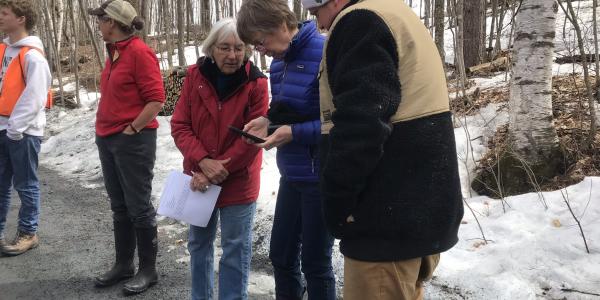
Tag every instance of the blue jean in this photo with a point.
(300, 242)
(18, 166)
(234, 266)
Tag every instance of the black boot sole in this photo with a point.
(102, 284)
(130, 292)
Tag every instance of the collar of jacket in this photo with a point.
(248, 72)
(306, 31)
(120, 45)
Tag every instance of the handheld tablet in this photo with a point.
(247, 135)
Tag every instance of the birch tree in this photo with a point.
(59, 12)
(534, 154)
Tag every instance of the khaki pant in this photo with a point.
(397, 280)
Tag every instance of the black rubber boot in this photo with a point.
(125, 250)
(147, 250)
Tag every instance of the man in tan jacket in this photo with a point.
(389, 179)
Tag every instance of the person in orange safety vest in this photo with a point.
(25, 81)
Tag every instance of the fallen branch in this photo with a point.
(568, 59)
(496, 65)
(578, 291)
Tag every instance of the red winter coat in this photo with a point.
(200, 124)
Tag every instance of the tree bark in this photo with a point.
(56, 47)
(59, 11)
(166, 16)
(439, 15)
(145, 14)
(217, 10)
(472, 32)
(75, 48)
(205, 16)
(298, 9)
(181, 33)
(459, 46)
(427, 16)
(531, 129)
(99, 54)
(597, 56)
(532, 155)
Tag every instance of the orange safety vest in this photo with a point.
(14, 82)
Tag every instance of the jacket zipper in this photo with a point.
(312, 159)
(220, 107)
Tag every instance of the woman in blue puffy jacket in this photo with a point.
(300, 242)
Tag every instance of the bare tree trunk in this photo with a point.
(217, 10)
(55, 47)
(189, 20)
(205, 17)
(427, 16)
(144, 13)
(180, 33)
(439, 15)
(167, 26)
(263, 62)
(59, 11)
(472, 32)
(597, 56)
(298, 9)
(495, 16)
(99, 56)
(531, 130)
(75, 48)
(482, 31)
(499, 25)
(459, 47)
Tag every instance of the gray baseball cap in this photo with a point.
(313, 3)
(118, 10)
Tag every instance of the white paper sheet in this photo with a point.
(179, 202)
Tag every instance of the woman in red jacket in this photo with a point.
(223, 89)
(132, 95)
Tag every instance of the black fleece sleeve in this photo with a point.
(362, 62)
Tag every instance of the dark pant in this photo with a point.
(301, 242)
(127, 166)
(18, 166)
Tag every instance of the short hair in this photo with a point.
(22, 8)
(219, 32)
(263, 16)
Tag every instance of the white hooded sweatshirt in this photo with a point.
(29, 115)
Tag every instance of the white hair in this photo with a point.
(223, 29)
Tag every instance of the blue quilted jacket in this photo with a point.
(294, 82)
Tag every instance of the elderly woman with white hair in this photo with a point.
(222, 89)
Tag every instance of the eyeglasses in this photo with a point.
(102, 19)
(225, 49)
